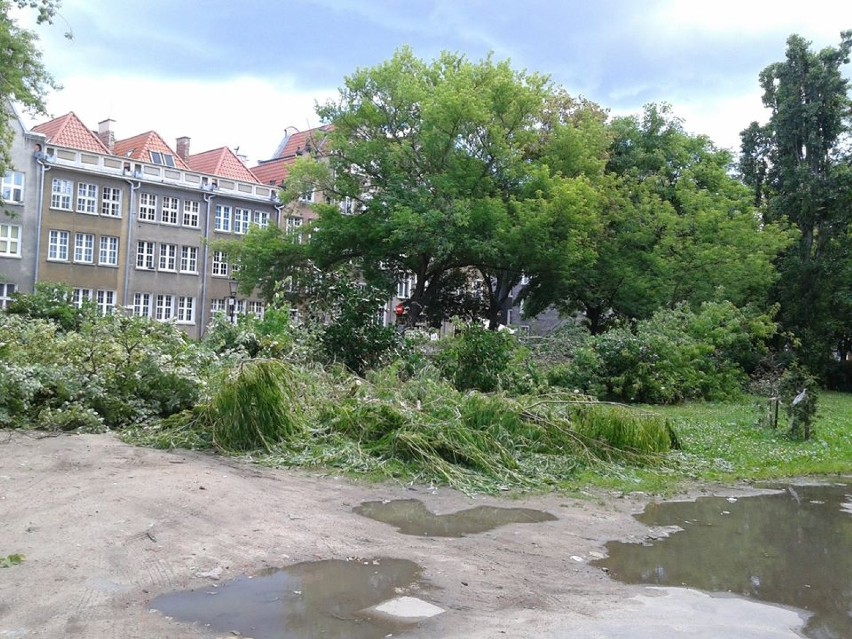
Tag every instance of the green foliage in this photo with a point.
(618, 431)
(476, 358)
(257, 406)
(52, 302)
(113, 372)
(798, 164)
(24, 78)
(11, 560)
(674, 355)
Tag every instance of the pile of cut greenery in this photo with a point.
(419, 429)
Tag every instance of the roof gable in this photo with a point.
(221, 162)
(69, 131)
(148, 147)
(302, 142)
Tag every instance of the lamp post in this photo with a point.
(232, 301)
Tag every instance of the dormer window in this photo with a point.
(163, 159)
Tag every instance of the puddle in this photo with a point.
(411, 517)
(332, 599)
(792, 548)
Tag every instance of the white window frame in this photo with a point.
(13, 187)
(185, 310)
(222, 218)
(145, 255)
(261, 219)
(219, 264)
(256, 308)
(189, 259)
(142, 305)
(164, 307)
(110, 201)
(217, 304)
(81, 295)
(7, 290)
(84, 248)
(170, 210)
(242, 221)
(148, 207)
(57, 245)
(168, 257)
(108, 251)
(87, 198)
(61, 193)
(105, 301)
(10, 240)
(191, 209)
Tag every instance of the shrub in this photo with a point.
(476, 358)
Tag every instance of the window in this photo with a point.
(242, 220)
(13, 187)
(81, 296)
(147, 207)
(188, 259)
(255, 308)
(57, 246)
(169, 213)
(168, 257)
(404, 286)
(163, 159)
(222, 219)
(307, 197)
(186, 310)
(261, 219)
(165, 307)
(6, 292)
(111, 201)
(190, 213)
(142, 304)
(108, 253)
(145, 255)
(220, 264)
(347, 206)
(217, 305)
(60, 194)
(106, 302)
(84, 248)
(10, 240)
(87, 198)
(293, 225)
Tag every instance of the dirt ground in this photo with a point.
(105, 527)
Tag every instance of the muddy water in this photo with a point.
(411, 517)
(792, 548)
(315, 599)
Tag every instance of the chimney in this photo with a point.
(183, 148)
(106, 134)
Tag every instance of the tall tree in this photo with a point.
(23, 78)
(799, 164)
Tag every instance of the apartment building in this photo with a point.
(129, 223)
(19, 206)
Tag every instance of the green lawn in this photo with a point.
(722, 442)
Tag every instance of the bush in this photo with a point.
(476, 358)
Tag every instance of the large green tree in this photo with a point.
(799, 166)
(23, 78)
(442, 162)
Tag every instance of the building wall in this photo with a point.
(19, 214)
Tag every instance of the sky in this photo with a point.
(237, 73)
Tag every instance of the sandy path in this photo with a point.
(105, 527)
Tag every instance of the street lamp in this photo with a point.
(232, 301)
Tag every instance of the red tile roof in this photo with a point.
(297, 143)
(272, 172)
(69, 131)
(221, 162)
(139, 147)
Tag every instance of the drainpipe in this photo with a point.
(42, 162)
(128, 250)
(202, 303)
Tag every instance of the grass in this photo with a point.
(722, 442)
